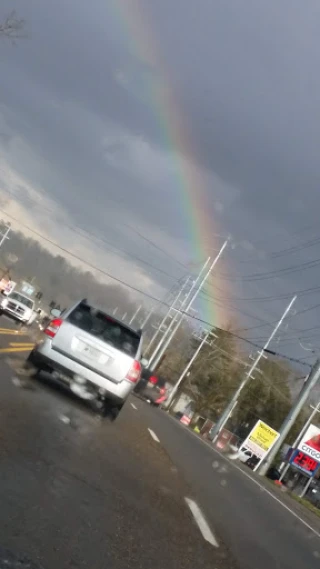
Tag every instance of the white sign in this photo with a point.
(260, 441)
(310, 443)
(9, 288)
(27, 288)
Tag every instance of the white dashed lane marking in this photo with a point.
(154, 436)
(133, 406)
(201, 522)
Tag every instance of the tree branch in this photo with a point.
(12, 27)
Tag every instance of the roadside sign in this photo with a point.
(310, 443)
(27, 288)
(185, 420)
(4, 283)
(9, 288)
(260, 441)
(304, 463)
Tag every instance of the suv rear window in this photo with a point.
(105, 328)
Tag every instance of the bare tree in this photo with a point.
(12, 27)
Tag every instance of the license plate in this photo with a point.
(92, 353)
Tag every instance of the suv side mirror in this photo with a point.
(55, 312)
(144, 362)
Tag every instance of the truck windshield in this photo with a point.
(105, 328)
(20, 298)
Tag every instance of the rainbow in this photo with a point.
(134, 27)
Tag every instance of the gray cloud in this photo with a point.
(80, 121)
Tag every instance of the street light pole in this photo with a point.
(234, 401)
(156, 361)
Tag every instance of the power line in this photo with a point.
(283, 252)
(131, 287)
(93, 238)
(293, 234)
(156, 246)
(285, 296)
(254, 277)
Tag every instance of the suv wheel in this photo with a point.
(108, 409)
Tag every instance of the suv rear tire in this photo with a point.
(108, 410)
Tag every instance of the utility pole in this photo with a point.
(162, 350)
(147, 318)
(177, 310)
(135, 314)
(302, 398)
(166, 316)
(234, 401)
(165, 299)
(186, 369)
(284, 469)
(5, 235)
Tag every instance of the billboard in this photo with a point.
(259, 441)
(310, 443)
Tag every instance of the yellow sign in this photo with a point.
(263, 436)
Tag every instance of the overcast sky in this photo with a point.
(82, 145)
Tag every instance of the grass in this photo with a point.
(301, 501)
(306, 504)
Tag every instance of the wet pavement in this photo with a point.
(263, 528)
(79, 491)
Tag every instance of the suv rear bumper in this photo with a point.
(43, 356)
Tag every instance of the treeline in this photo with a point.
(58, 280)
(217, 372)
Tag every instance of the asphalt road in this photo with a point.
(260, 532)
(78, 491)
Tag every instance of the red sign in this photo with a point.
(305, 463)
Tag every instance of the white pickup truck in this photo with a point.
(19, 306)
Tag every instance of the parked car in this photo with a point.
(273, 473)
(151, 388)
(242, 454)
(95, 355)
(19, 306)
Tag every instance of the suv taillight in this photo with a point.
(134, 372)
(53, 327)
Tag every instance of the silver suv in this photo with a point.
(94, 354)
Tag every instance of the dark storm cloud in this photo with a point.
(255, 115)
